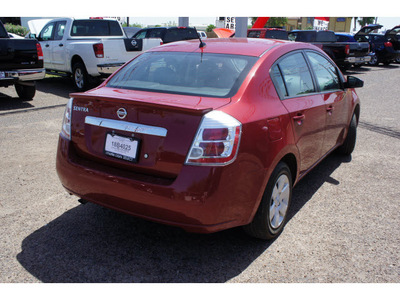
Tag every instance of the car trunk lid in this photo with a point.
(137, 131)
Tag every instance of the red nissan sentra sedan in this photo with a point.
(208, 138)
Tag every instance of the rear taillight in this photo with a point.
(217, 140)
(388, 44)
(66, 125)
(39, 51)
(98, 50)
(347, 49)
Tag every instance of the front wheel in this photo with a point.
(350, 141)
(271, 215)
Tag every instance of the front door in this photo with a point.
(305, 106)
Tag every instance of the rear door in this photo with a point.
(305, 106)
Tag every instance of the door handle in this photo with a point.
(47, 45)
(61, 45)
(330, 109)
(299, 119)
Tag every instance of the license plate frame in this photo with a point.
(121, 147)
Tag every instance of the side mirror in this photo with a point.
(353, 82)
(32, 36)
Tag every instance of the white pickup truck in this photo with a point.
(87, 48)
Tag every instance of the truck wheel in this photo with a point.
(80, 76)
(25, 92)
(271, 215)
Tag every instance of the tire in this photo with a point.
(350, 142)
(374, 60)
(271, 215)
(25, 92)
(80, 76)
(397, 59)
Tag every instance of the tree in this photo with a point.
(366, 20)
(210, 28)
(272, 22)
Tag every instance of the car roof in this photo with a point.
(235, 46)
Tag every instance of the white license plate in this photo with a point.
(121, 147)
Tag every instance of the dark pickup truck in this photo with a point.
(344, 54)
(21, 63)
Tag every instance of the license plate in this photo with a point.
(121, 147)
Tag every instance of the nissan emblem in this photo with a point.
(121, 113)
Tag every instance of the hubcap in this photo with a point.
(79, 78)
(279, 201)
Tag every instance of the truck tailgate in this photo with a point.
(19, 54)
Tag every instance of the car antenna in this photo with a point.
(202, 44)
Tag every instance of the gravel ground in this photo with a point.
(344, 223)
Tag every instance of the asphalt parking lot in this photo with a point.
(344, 222)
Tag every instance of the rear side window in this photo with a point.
(325, 72)
(180, 34)
(96, 28)
(276, 34)
(295, 74)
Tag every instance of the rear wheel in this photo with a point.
(25, 92)
(350, 141)
(80, 76)
(271, 215)
(374, 60)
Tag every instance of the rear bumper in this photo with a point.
(200, 199)
(23, 75)
(108, 69)
(357, 60)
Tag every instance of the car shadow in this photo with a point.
(56, 85)
(12, 103)
(92, 244)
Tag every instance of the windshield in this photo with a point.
(214, 75)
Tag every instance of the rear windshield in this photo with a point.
(208, 74)
(96, 28)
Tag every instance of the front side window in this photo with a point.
(296, 75)
(140, 35)
(214, 75)
(325, 72)
(47, 32)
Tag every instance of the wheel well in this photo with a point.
(76, 59)
(291, 161)
(357, 112)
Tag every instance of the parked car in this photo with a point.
(344, 54)
(385, 48)
(208, 138)
(267, 33)
(168, 34)
(21, 64)
(202, 34)
(342, 37)
(87, 48)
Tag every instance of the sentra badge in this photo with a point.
(121, 113)
(81, 108)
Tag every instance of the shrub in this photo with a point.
(17, 29)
